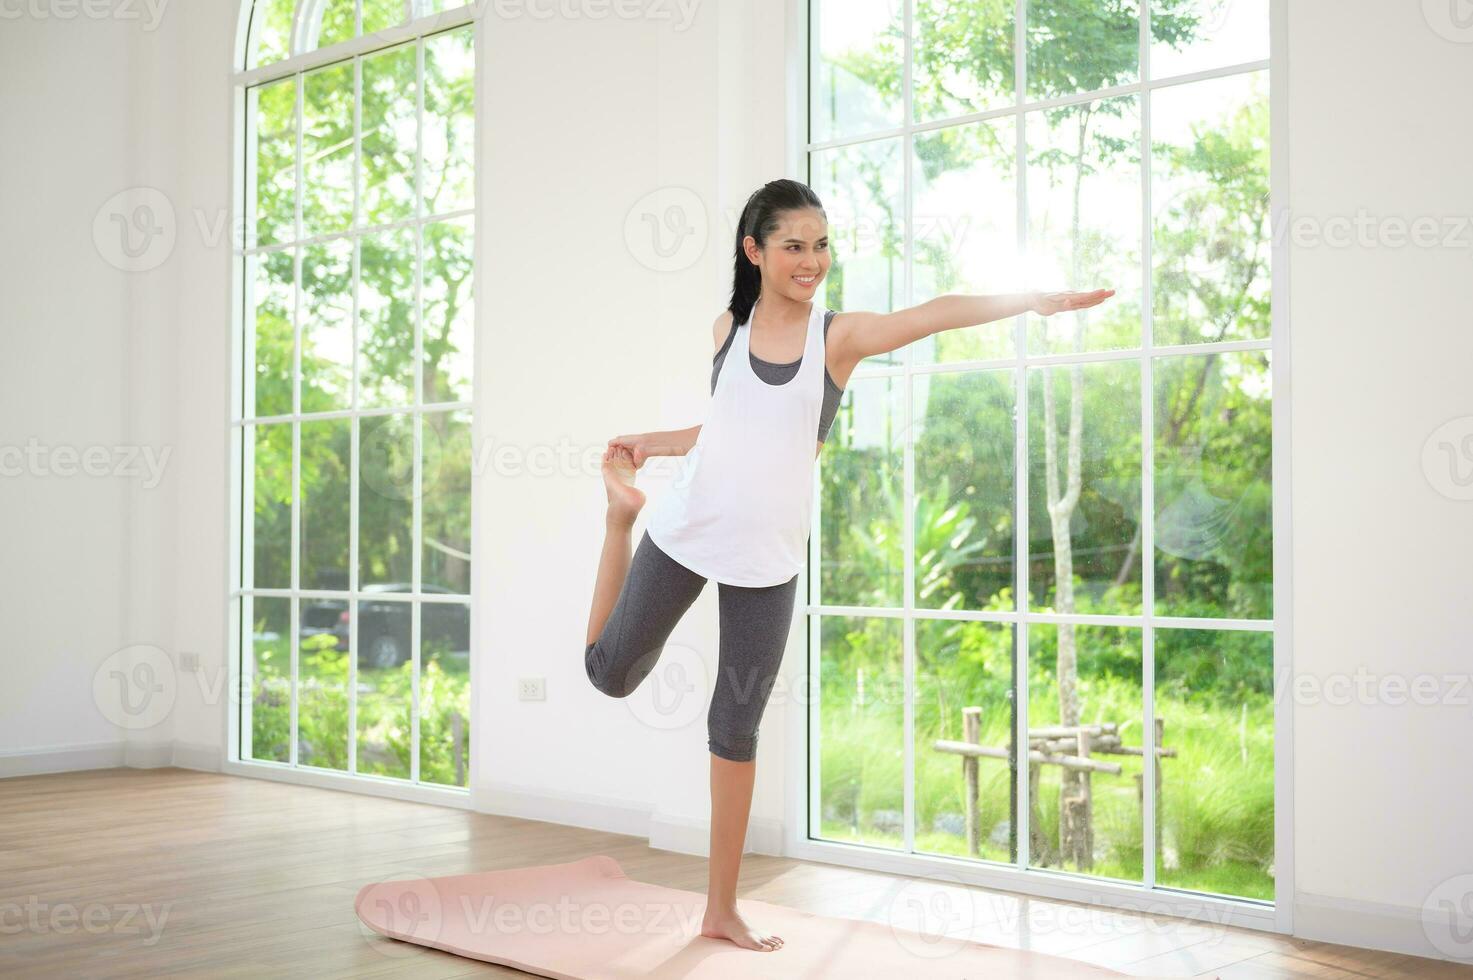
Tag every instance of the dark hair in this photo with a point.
(759, 219)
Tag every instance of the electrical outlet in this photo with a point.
(532, 688)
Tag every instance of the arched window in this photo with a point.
(352, 395)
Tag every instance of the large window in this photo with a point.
(1044, 553)
(354, 407)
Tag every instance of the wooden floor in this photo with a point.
(170, 872)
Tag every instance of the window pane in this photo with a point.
(860, 187)
(379, 14)
(386, 318)
(1215, 716)
(385, 684)
(446, 492)
(328, 22)
(324, 622)
(1075, 48)
(964, 490)
(388, 124)
(444, 693)
(962, 56)
(1214, 491)
(964, 694)
(1084, 488)
(268, 620)
(861, 474)
(966, 231)
(1209, 198)
(1085, 708)
(861, 711)
(322, 701)
(386, 501)
(448, 310)
(271, 31)
(271, 120)
(1198, 35)
(324, 504)
(449, 122)
(383, 630)
(1084, 222)
(270, 477)
(327, 326)
(271, 277)
(327, 150)
(858, 50)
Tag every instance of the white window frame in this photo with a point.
(802, 794)
(240, 445)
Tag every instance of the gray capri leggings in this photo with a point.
(754, 630)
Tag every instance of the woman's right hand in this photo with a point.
(639, 447)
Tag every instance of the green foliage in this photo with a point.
(322, 704)
(383, 711)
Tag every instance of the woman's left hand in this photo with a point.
(1047, 304)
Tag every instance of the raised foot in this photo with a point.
(731, 926)
(625, 499)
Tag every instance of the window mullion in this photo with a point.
(417, 530)
(1149, 789)
(355, 428)
(1021, 760)
(296, 473)
(908, 655)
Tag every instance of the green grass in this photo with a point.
(1216, 794)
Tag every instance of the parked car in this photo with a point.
(384, 625)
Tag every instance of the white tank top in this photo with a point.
(740, 506)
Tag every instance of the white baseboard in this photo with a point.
(666, 832)
(64, 758)
(692, 835)
(611, 815)
(1375, 925)
(149, 755)
(204, 758)
(109, 755)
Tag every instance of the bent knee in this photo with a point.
(594, 665)
(599, 675)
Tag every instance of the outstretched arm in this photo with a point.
(860, 335)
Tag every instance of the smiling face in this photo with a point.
(796, 257)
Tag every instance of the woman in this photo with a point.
(739, 512)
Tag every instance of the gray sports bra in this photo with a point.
(776, 374)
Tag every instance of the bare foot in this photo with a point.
(625, 499)
(723, 924)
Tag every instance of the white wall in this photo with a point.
(67, 341)
(583, 119)
(605, 113)
(1378, 107)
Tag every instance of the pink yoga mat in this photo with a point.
(586, 920)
